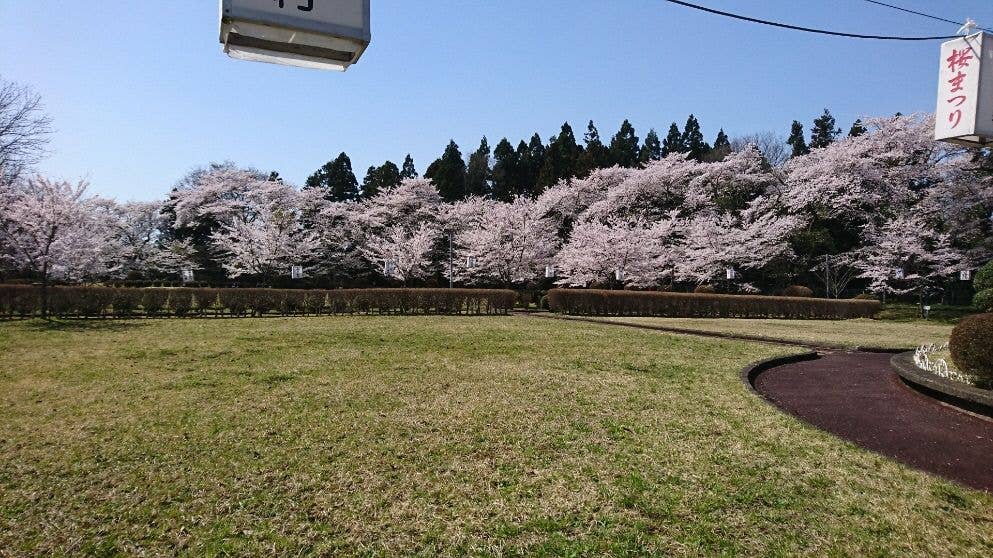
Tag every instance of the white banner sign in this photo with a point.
(965, 91)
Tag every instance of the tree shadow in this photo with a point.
(95, 324)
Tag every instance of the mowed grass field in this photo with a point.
(491, 436)
(834, 333)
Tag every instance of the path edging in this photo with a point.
(966, 397)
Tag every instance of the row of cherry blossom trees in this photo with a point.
(890, 211)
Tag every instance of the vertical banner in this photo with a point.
(964, 112)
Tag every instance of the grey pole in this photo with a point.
(450, 256)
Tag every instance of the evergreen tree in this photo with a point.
(477, 181)
(692, 139)
(380, 178)
(336, 180)
(721, 148)
(595, 156)
(448, 173)
(673, 142)
(824, 131)
(561, 158)
(796, 140)
(652, 149)
(408, 168)
(531, 165)
(857, 129)
(624, 146)
(506, 171)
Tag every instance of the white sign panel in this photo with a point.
(965, 275)
(965, 91)
(731, 274)
(187, 275)
(549, 272)
(322, 34)
(296, 272)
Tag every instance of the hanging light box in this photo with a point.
(965, 91)
(320, 34)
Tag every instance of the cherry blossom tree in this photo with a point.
(136, 228)
(505, 243)
(906, 255)
(715, 242)
(50, 230)
(401, 252)
(396, 231)
(173, 256)
(630, 253)
(267, 243)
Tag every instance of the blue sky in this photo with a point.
(140, 91)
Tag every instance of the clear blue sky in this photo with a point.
(140, 91)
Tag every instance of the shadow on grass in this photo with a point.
(95, 324)
(939, 314)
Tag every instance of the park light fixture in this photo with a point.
(319, 34)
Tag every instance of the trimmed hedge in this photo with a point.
(592, 302)
(971, 347)
(798, 291)
(25, 301)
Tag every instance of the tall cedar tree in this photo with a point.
(652, 148)
(408, 170)
(531, 165)
(796, 140)
(824, 131)
(721, 149)
(596, 155)
(561, 158)
(857, 129)
(506, 171)
(693, 139)
(624, 146)
(379, 178)
(336, 180)
(673, 142)
(477, 180)
(448, 173)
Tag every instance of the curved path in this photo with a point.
(858, 396)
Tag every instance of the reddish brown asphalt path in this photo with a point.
(859, 397)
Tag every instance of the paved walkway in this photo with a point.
(858, 396)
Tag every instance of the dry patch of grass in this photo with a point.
(432, 435)
(842, 333)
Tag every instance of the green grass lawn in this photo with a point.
(432, 435)
(843, 333)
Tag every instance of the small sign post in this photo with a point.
(965, 275)
(296, 272)
(731, 274)
(549, 272)
(187, 275)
